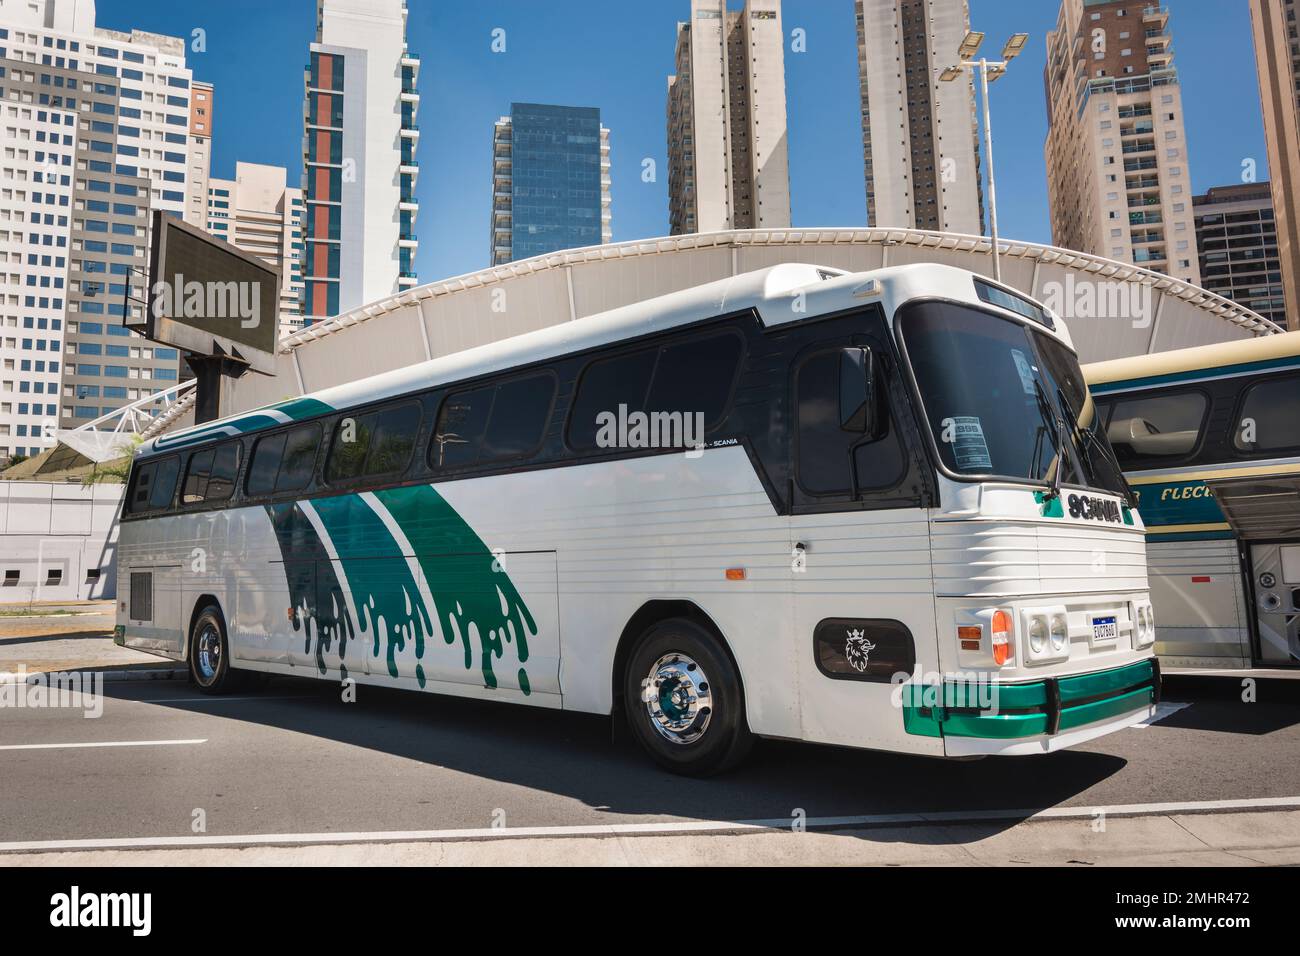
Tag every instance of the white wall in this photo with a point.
(57, 527)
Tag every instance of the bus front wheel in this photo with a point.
(210, 653)
(683, 700)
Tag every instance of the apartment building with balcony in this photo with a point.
(1236, 233)
(1118, 177)
(550, 181)
(361, 133)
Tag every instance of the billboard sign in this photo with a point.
(208, 298)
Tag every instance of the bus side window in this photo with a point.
(459, 430)
(139, 500)
(1158, 426)
(225, 466)
(375, 444)
(299, 461)
(196, 477)
(604, 386)
(696, 376)
(492, 423)
(520, 412)
(1270, 417)
(266, 463)
(164, 483)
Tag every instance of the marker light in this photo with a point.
(1004, 647)
(735, 574)
(970, 636)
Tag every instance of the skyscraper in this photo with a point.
(920, 137)
(258, 213)
(360, 141)
(1117, 166)
(201, 116)
(1277, 61)
(727, 160)
(550, 181)
(1237, 238)
(96, 132)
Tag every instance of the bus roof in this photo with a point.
(770, 292)
(1201, 362)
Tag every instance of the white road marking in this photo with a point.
(1163, 710)
(106, 743)
(216, 700)
(651, 829)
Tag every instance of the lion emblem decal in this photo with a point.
(857, 648)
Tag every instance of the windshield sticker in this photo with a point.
(969, 448)
(1026, 371)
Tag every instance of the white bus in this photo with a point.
(1210, 439)
(892, 486)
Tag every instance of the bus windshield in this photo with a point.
(1002, 397)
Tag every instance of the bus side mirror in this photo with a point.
(860, 408)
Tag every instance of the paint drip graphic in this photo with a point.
(476, 604)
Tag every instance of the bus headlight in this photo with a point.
(1144, 625)
(1048, 634)
(1060, 633)
(1037, 635)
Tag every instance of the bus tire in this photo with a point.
(209, 656)
(683, 700)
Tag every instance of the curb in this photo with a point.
(108, 676)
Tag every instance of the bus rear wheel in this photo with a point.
(683, 700)
(209, 655)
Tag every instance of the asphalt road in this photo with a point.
(287, 756)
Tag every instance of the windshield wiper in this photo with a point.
(1056, 428)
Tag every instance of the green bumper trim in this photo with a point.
(1028, 710)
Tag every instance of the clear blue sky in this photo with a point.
(616, 56)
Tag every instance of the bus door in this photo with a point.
(1265, 514)
(863, 607)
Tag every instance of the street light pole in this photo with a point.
(988, 155)
(967, 50)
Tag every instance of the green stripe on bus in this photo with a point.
(386, 596)
(470, 586)
(1195, 375)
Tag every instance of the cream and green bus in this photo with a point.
(871, 510)
(1210, 440)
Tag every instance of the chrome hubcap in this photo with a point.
(677, 698)
(208, 653)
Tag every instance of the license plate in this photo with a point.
(1104, 629)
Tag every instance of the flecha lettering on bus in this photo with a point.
(1186, 492)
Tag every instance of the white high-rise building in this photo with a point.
(919, 135)
(122, 104)
(259, 214)
(728, 166)
(361, 134)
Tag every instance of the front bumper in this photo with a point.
(1043, 714)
